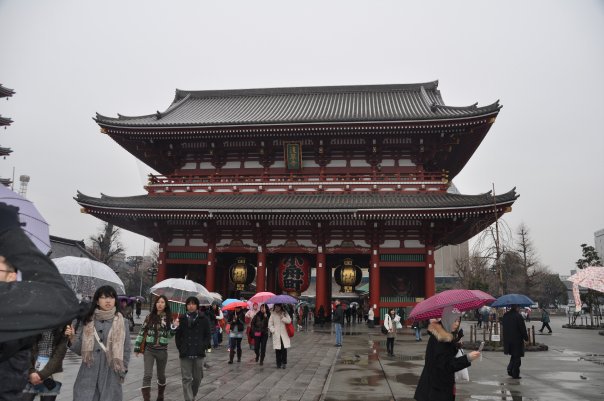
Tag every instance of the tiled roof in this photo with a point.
(5, 151)
(329, 104)
(283, 203)
(6, 92)
(5, 121)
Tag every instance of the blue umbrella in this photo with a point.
(229, 301)
(281, 299)
(512, 299)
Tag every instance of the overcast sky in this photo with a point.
(544, 60)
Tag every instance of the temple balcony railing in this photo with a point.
(297, 182)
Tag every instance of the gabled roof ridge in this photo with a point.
(473, 107)
(304, 90)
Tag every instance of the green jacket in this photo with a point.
(153, 335)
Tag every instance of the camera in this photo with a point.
(49, 383)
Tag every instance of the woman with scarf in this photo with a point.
(104, 344)
(152, 342)
(437, 381)
(259, 328)
(46, 363)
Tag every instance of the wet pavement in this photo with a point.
(573, 369)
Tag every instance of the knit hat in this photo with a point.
(450, 315)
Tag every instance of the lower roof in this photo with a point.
(295, 203)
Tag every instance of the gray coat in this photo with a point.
(99, 382)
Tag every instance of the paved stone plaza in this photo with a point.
(573, 369)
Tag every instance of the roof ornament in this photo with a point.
(158, 115)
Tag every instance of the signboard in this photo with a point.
(495, 337)
(293, 156)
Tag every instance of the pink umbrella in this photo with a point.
(461, 299)
(591, 277)
(261, 297)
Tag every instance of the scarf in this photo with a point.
(115, 340)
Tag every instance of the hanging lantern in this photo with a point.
(294, 274)
(348, 276)
(241, 274)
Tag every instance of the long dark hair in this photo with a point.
(104, 291)
(154, 318)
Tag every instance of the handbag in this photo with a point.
(289, 327)
(384, 330)
(461, 375)
(257, 334)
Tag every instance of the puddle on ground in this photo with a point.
(496, 383)
(575, 376)
(502, 397)
(407, 378)
(368, 380)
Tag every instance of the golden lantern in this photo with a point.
(348, 276)
(241, 274)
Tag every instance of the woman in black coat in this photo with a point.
(259, 329)
(437, 381)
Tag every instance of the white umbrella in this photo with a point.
(179, 289)
(84, 275)
(217, 297)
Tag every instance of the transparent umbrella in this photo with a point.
(179, 289)
(84, 275)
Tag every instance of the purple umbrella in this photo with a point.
(461, 299)
(35, 226)
(281, 299)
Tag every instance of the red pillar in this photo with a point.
(429, 271)
(211, 270)
(374, 281)
(321, 282)
(261, 270)
(162, 269)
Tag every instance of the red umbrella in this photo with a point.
(461, 299)
(236, 304)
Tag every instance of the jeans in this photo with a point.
(150, 356)
(545, 325)
(216, 336)
(418, 333)
(260, 346)
(338, 333)
(192, 373)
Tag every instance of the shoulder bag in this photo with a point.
(289, 327)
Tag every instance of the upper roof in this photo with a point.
(326, 104)
(6, 92)
(5, 121)
(285, 203)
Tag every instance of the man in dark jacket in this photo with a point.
(514, 337)
(338, 320)
(192, 340)
(28, 282)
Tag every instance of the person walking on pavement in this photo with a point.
(545, 321)
(104, 344)
(370, 318)
(236, 332)
(152, 342)
(416, 326)
(138, 307)
(249, 315)
(216, 321)
(514, 338)
(338, 320)
(259, 328)
(390, 320)
(192, 339)
(437, 380)
(321, 316)
(281, 341)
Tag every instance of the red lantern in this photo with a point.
(294, 274)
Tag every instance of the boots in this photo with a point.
(146, 393)
(261, 360)
(238, 355)
(160, 391)
(231, 355)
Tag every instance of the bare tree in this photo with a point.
(106, 245)
(491, 244)
(473, 273)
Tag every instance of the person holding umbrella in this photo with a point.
(281, 342)
(237, 322)
(259, 329)
(514, 337)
